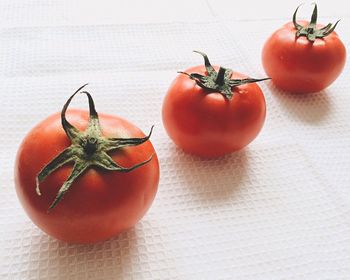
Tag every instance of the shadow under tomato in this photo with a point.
(109, 259)
(212, 180)
(312, 108)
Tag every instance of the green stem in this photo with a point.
(310, 31)
(88, 149)
(221, 76)
(219, 81)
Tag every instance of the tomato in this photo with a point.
(302, 57)
(113, 184)
(211, 118)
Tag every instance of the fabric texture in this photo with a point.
(278, 209)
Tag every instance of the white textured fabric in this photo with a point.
(278, 209)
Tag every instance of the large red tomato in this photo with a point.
(304, 57)
(213, 111)
(90, 186)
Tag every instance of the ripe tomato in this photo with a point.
(302, 57)
(107, 196)
(210, 118)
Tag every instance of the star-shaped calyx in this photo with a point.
(88, 149)
(310, 31)
(218, 81)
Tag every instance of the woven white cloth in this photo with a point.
(279, 209)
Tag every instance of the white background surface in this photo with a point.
(278, 209)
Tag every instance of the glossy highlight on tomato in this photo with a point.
(100, 203)
(304, 59)
(209, 123)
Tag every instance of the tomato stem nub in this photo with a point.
(88, 149)
(310, 31)
(218, 81)
(90, 145)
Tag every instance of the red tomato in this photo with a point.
(300, 65)
(207, 123)
(100, 203)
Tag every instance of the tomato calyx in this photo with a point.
(310, 31)
(218, 81)
(88, 149)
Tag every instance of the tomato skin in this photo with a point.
(100, 204)
(208, 124)
(299, 66)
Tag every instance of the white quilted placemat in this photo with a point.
(278, 209)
